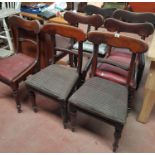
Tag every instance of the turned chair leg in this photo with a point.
(16, 96)
(73, 114)
(117, 136)
(64, 115)
(141, 67)
(33, 100)
(131, 92)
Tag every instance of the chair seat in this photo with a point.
(102, 97)
(88, 46)
(13, 66)
(55, 80)
(113, 73)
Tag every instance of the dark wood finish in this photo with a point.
(74, 19)
(134, 17)
(136, 46)
(142, 29)
(12, 79)
(52, 30)
(105, 12)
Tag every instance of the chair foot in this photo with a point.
(33, 100)
(117, 136)
(64, 115)
(73, 114)
(16, 96)
(19, 109)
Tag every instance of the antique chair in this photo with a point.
(133, 17)
(96, 21)
(58, 81)
(17, 67)
(105, 12)
(114, 66)
(102, 98)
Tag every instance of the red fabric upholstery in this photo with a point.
(112, 73)
(119, 55)
(14, 65)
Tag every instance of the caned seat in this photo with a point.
(95, 96)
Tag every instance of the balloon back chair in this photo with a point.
(58, 81)
(17, 67)
(114, 66)
(101, 98)
(135, 17)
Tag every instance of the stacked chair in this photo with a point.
(17, 67)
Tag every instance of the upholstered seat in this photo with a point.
(55, 80)
(88, 47)
(13, 66)
(95, 96)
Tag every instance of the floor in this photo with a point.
(43, 131)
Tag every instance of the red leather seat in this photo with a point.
(14, 66)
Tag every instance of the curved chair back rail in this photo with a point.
(135, 45)
(19, 28)
(142, 29)
(69, 32)
(105, 12)
(64, 30)
(75, 18)
(19, 22)
(134, 17)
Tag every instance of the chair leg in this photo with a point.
(117, 136)
(75, 60)
(131, 92)
(64, 115)
(33, 100)
(140, 74)
(73, 114)
(16, 96)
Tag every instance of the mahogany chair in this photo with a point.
(104, 12)
(101, 98)
(116, 57)
(134, 17)
(17, 67)
(58, 81)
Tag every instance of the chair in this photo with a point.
(133, 17)
(105, 12)
(116, 57)
(58, 81)
(17, 67)
(101, 98)
(8, 8)
(96, 21)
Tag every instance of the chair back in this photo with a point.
(11, 6)
(24, 31)
(141, 29)
(75, 19)
(136, 47)
(134, 17)
(67, 31)
(104, 12)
